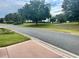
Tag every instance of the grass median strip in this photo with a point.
(8, 37)
(72, 28)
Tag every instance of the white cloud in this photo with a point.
(56, 7)
(56, 11)
(10, 6)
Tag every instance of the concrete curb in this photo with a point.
(52, 48)
(56, 50)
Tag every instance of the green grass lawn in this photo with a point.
(40, 25)
(9, 38)
(65, 27)
(68, 26)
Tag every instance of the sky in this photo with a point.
(11, 6)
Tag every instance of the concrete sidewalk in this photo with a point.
(28, 49)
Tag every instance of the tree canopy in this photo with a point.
(14, 18)
(36, 10)
(71, 9)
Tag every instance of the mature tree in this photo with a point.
(60, 18)
(52, 19)
(13, 18)
(71, 9)
(9, 18)
(36, 10)
(1, 20)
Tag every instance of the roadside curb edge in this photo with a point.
(52, 48)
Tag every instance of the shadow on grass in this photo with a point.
(5, 31)
(65, 26)
(40, 25)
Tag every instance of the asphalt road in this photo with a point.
(62, 40)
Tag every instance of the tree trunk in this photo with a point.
(36, 22)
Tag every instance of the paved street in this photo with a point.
(62, 40)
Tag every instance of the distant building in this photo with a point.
(47, 20)
(28, 20)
